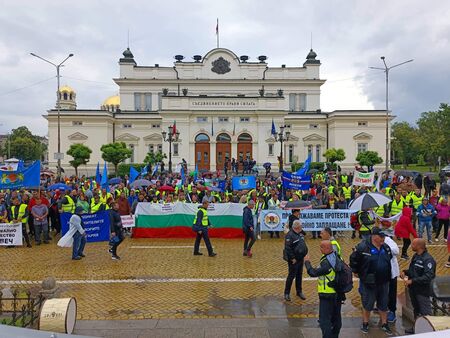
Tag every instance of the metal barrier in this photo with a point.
(20, 310)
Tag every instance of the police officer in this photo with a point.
(200, 227)
(295, 250)
(329, 301)
(418, 278)
(248, 227)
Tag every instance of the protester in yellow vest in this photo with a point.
(19, 214)
(327, 235)
(68, 202)
(329, 301)
(97, 205)
(200, 227)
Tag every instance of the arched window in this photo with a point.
(65, 96)
(202, 138)
(223, 138)
(244, 138)
(70, 96)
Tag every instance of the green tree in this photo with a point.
(368, 158)
(152, 158)
(334, 155)
(405, 145)
(24, 145)
(434, 133)
(115, 153)
(81, 155)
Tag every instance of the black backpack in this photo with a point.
(343, 280)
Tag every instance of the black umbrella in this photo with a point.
(297, 204)
(369, 200)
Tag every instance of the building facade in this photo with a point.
(223, 106)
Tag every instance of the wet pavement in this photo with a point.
(161, 279)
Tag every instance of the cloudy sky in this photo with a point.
(348, 36)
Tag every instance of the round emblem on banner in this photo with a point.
(272, 220)
(243, 181)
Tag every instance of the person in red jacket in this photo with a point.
(404, 229)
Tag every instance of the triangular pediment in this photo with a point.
(77, 137)
(362, 136)
(293, 138)
(314, 137)
(127, 137)
(153, 137)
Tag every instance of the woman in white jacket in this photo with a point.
(395, 272)
(75, 236)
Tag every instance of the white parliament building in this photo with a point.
(223, 105)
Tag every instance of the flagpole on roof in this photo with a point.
(217, 32)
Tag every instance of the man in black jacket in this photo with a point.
(329, 300)
(116, 230)
(418, 279)
(371, 261)
(200, 227)
(249, 228)
(295, 250)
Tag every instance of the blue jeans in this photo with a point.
(423, 224)
(79, 241)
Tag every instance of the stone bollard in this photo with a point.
(49, 288)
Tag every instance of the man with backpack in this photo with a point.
(371, 261)
(330, 288)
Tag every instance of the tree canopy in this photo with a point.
(23, 145)
(115, 153)
(333, 155)
(81, 155)
(369, 158)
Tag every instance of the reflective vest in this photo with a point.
(104, 199)
(344, 179)
(322, 281)
(258, 203)
(347, 192)
(416, 200)
(331, 189)
(388, 191)
(272, 203)
(363, 226)
(406, 199)
(396, 207)
(380, 211)
(96, 207)
(205, 221)
(70, 206)
(21, 213)
(336, 247)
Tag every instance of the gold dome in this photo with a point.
(66, 89)
(112, 101)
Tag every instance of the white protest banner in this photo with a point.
(10, 234)
(127, 221)
(317, 219)
(364, 179)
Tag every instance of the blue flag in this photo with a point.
(183, 175)
(155, 169)
(304, 170)
(98, 176)
(104, 181)
(222, 185)
(144, 171)
(133, 174)
(273, 131)
(244, 182)
(196, 172)
(296, 182)
(26, 178)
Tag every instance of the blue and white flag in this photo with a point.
(144, 171)
(196, 173)
(244, 182)
(155, 169)
(273, 131)
(26, 178)
(294, 181)
(304, 170)
(183, 175)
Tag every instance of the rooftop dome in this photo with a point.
(66, 89)
(112, 103)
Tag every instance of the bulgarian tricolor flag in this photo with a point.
(175, 220)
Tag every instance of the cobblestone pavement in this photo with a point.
(160, 278)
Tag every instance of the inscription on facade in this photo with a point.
(226, 103)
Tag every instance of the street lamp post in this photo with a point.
(57, 66)
(281, 137)
(170, 137)
(386, 70)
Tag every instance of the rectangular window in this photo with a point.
(202, 119)
(156, 126)
(151, 148)
(137, 102)
(362, 123)
(291, 102)
(148, 101)
(362, 147)
(291, 153)
(310, 150)
(302, 102)
(245, 119)
(270, 149)
(199, 156)
(160, 148)
(175, 149)
(313, 126)
(132, 153)
(77, 123)
(223, 119)
(126, 125)
(318, 153)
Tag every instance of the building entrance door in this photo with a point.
(202, 152)
(223, 150)
(244, 149)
